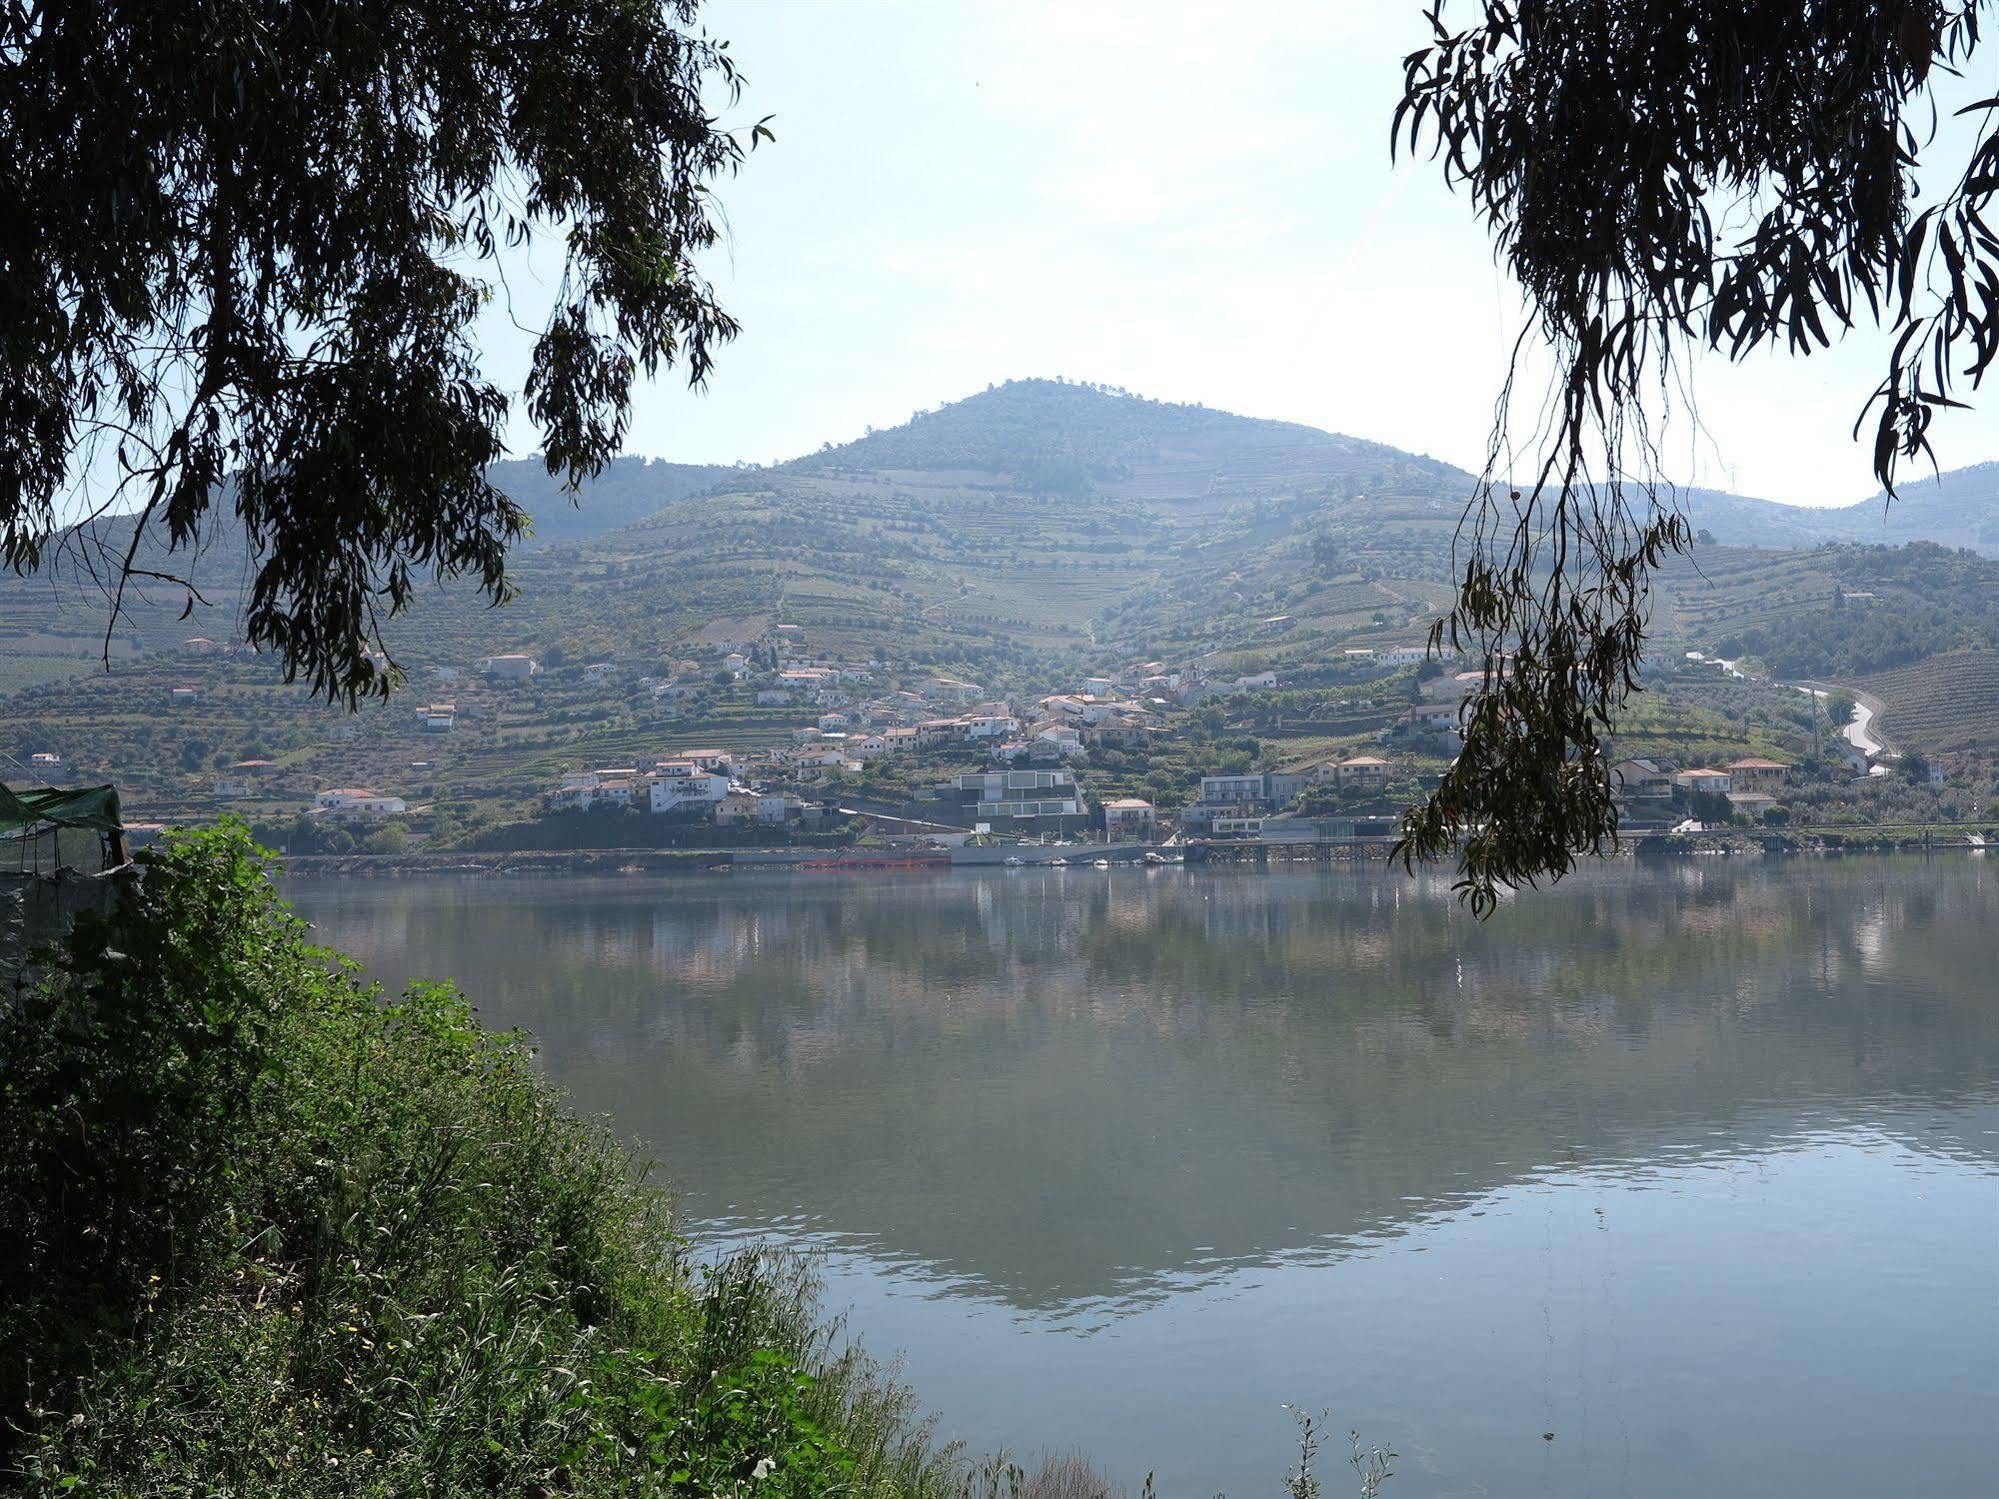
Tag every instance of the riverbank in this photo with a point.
(269, 1234)
(1829, 840)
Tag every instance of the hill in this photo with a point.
(1957, 509)
(1028, 536)
(1035, 515)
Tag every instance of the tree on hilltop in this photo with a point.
(1660, 175)
(242, 249)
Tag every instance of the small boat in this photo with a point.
(1014, 861)
(1058, 862)
(1103, 863)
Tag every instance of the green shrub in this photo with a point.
(276, 1234)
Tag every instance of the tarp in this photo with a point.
(94, 807)
(40, 908)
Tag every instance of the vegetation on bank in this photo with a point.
(274, 1232)
(269, 1230)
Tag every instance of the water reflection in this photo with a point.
(1122, 1105)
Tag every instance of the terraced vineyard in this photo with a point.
(1947, 702)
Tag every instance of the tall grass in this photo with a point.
(265, 1230)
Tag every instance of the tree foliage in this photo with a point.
(1660, 175)
(242, 249)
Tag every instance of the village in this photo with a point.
(745, 736)
(917, 758)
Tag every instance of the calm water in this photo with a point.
(1695, 1167)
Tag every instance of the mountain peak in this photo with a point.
(1051, 434)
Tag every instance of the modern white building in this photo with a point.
(357, 801)
(678, 784)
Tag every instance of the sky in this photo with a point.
(1195, 202)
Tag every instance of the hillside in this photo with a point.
(1834, 611)
(1023, 538)
(1032, 517)
(1946, 702)
(1957, 509)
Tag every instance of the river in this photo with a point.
(1672, 1180)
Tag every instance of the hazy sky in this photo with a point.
(1194, 202)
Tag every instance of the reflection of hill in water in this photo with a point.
(1064, 1086)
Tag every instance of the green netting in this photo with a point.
(93, 807)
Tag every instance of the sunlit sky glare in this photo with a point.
(1195, 202)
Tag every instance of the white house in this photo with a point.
(1757, 774)
(357, 801)
(952, 689)
(1366, 772)
(990, 726)
(616, 790)
(1432, 718)
(682, 783)
(1065, 739)
(778, 806)
(1129, 819)
(1641, 777)
(1714, 782)
(737, 806)
(708, 759)
(511, 667)
(577, 793)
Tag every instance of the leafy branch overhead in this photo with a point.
(242, 251)
(1611, 151)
